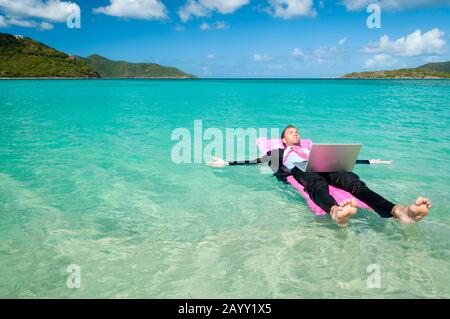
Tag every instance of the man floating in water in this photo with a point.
(316, 184)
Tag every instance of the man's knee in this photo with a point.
(353, 183)
(310, 177)
(314, 182)
(306, 177)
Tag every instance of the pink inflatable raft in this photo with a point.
(265, 145)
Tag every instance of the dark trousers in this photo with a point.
(316, 185)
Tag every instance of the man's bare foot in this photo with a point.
(342, 213)
(412, 213)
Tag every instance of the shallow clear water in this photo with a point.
(86, 178)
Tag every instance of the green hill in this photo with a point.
(122, 69)
(437, 66)
(435, 70)
(28, 58)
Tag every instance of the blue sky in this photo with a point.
(242, 38)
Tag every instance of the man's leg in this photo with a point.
(317, 188)
(404, 213)
(350, 182)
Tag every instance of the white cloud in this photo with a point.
(298, 54)
(210, 56)
(7, 22)
(224, 6)
(414, 44)
(287, 9)
(3, 23)
(205, 26)
(52, 10)
(323, 53)
(136, 9)
(45, 26)
(204, 8)
(261, 57)
(393, 5)
(380, 61)
(22, 23)
(342, 41)
(219, 25)
(192, 8)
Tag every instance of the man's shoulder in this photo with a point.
(275, 151)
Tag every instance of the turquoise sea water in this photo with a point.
(86, 178)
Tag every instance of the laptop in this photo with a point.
(325, 158)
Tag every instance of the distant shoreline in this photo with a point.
(196, 78)
(396, 78)
(83, 78)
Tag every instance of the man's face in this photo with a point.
(291, 137)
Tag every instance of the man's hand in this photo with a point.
(217, 162)
(378, 161)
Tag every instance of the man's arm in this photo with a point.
(218, 162)
(259, 160)
(373, 161)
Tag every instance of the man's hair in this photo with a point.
(284, 131)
